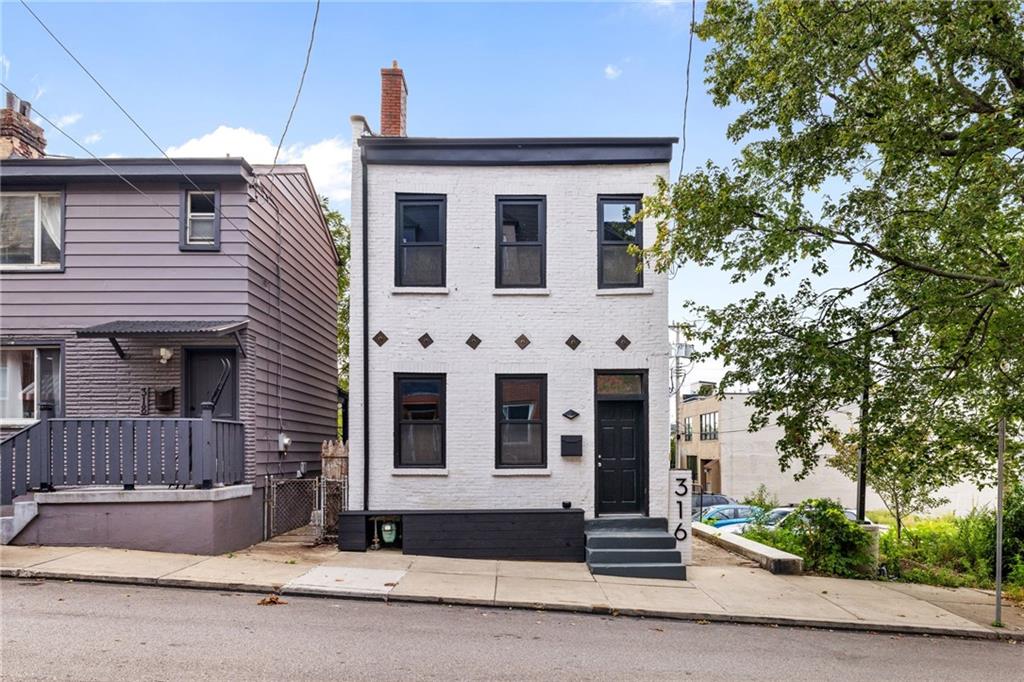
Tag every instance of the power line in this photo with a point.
(686, 97)
(108, 166)
(123, 110)
(302, 80)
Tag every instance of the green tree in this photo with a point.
(882, 139)
(899, 472)
(343, 245)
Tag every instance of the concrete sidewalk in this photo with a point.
(712, 593)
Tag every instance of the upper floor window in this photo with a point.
(200, 222)
(520, 242)
(616, 266)
(420, 240)
(30, 230)
(709, 426)
(688, 428)
(28, 377)
(419, 420)
(521, 420)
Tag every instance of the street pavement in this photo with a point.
(84, 631)
(731, 593)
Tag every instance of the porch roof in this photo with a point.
(137, 328)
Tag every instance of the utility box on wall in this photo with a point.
(572, 446)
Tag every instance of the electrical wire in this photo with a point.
(686, 97)
(302, 80)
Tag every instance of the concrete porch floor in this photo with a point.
(735, 593)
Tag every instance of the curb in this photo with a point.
(695, 616)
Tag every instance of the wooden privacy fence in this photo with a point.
(121, 451)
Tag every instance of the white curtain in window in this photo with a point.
(49, 214)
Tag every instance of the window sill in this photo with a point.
(626, 291)
(30, 269)
(419, 472)
(521, 472)
(432, 291)
(15, 423)
(522, 292)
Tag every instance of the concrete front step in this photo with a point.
(639, 556)
(605, 523)
(630, 540)
(667, 571)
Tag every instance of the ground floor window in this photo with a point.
(419, 420)
(520, 422)
(28, 377)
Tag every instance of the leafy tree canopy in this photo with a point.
(888, 138)
(342, 244)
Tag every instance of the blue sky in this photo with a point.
(208, 79)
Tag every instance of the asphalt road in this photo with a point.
(80, 631)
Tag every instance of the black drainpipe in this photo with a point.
(366, 340)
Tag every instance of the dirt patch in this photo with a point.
(706, 554)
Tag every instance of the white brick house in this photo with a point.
(494, 325)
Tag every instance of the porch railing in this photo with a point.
(121, 451)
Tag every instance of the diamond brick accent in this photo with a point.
(570, 414)
(573, 342)
(473, 341)
(522, 341)
(425, 340)
(622, 342)
(380, 338)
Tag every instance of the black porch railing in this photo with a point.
(121, 451)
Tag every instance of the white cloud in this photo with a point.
(40, 91)
(611, 72)
(67, 120)
(92, 138)
(329, 161)
(5, 66)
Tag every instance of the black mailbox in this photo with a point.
(572, 446)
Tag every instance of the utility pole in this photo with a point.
(862, 459)
(999, 522)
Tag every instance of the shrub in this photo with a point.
(763, 498)
(819, 532)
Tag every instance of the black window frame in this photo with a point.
(403, 199)
(709, 426)
(602, 199)
(687, 429)
(443, 421)
(541, 202)
(183, 237)
(500, 420)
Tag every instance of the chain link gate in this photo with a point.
(292, 502)
(332, 499)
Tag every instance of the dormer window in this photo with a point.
(200, 228)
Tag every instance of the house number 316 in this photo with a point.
(682, 490)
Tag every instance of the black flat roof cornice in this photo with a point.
(516, 151)
(22, 171)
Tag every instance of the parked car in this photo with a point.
(724, 515)
(777, 516)
(700, 503)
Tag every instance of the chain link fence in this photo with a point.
(333, 498)
(297, 502)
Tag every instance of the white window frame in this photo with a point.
(204, 216)
(37, 235)
(28, 421)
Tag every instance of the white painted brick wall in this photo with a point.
(471, 307)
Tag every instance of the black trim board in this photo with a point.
(533, 534)
(526, 151)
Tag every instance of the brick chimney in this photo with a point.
(393, 94)
(19, 136)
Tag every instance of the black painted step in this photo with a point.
(633, 556)
(630, 540)
(626, 523)
(667, 571)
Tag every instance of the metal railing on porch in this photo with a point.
(121, 451)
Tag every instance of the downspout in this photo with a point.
(366, 338)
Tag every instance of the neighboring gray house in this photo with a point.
(131, 292)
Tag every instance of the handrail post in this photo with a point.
(43, 461)
(207, 455)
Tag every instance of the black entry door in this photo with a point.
(620, 465)
(203, 372)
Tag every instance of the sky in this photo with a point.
(208, 79)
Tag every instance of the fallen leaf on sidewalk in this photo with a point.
(702, 622)
(390, 584)
(271, 600)
(657, 629)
